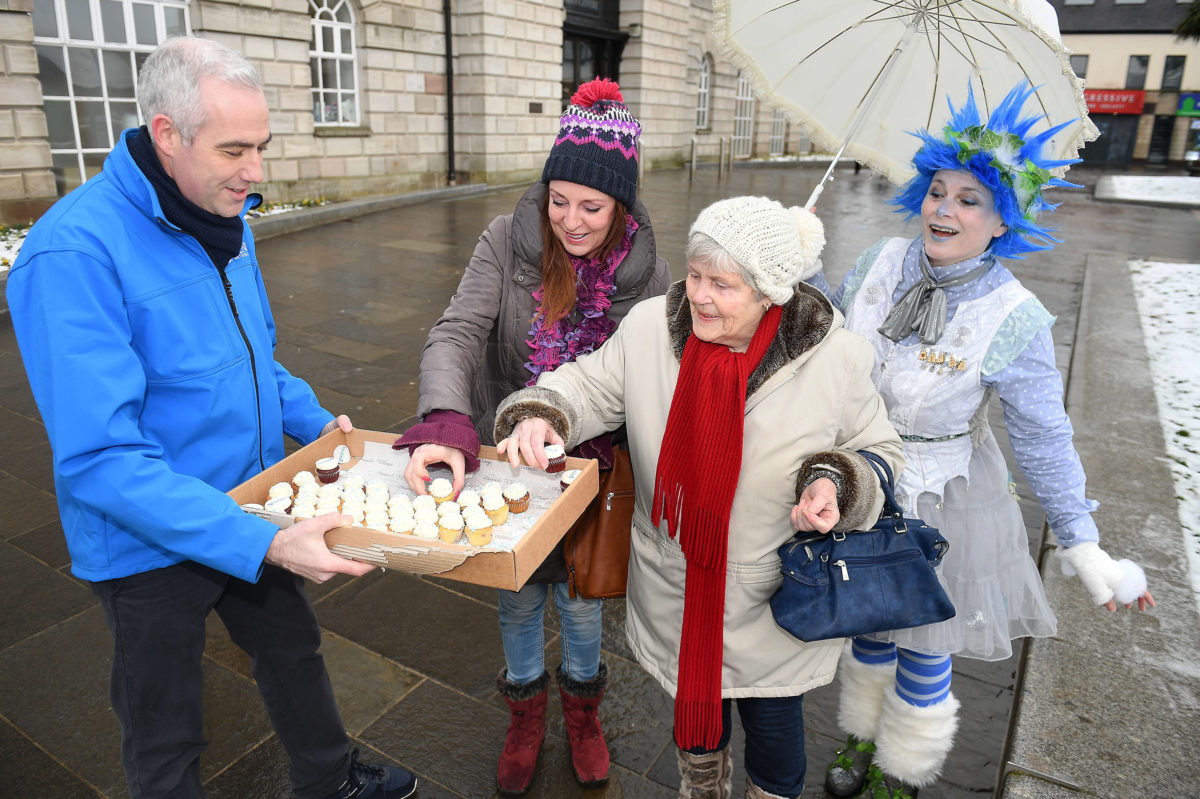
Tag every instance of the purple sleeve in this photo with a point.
(448, 429)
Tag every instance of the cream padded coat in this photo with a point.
(810, 401)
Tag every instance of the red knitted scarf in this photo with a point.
(693, 492)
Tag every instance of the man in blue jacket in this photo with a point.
(145, 330)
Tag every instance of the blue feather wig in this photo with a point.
(999, 156)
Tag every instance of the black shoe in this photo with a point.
(885, 786)
(847, 774)
(375, 782)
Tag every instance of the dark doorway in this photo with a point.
(592, 43)
(1160, 139)
(1115, 145)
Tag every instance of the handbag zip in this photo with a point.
(845, 563)
(613, 494)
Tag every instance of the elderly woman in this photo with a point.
(745, 403)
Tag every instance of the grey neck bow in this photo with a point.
(923, 307)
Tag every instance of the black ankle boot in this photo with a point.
(847, 774)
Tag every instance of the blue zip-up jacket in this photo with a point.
(155, 378)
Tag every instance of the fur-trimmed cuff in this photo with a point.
(529, 403)
(856, 484)
(519, 692)
(592, 689)
(448, 429)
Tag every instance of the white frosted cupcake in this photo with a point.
(517, 496)
(442, 490)
(280, 490)
(424, 501)
(399, 502)
(479, 531)
(449, 506)
(402, 525)
(450, 528)
(278, 504)
(303, 478)
(375, 521)
(427, 530)
(468, 497)
(376, 485)
(351, 481)
(495, 507)
(327, 470)
(426, 515)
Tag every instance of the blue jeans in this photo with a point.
(774, 741)
(524, 635)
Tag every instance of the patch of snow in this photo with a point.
(1168, 299)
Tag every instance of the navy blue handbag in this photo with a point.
(837, 585)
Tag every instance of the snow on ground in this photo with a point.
(1168, 298)
(1150, 189)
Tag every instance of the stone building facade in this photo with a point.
(364, 94)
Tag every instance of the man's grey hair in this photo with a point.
(169, 81)
(704, 249)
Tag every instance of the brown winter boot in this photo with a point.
(707, 776)
(526, 730)
(580, 703)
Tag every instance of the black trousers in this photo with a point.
(157, 622)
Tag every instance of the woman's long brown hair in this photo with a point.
(558, 276)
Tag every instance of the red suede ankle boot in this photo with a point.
(581, 702)
(526, 730)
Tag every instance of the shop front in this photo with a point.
(1115, 112)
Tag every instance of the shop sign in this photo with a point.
(1189, 105)
(1113, 101)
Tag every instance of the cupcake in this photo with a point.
(377, 522)
(468, 497)
(517, 497)
(426, 515)
(427, 530)
(496, 508)
(400, 502)
(303, 478)
(557, 457)
(424, 501)
(568, 477)
(479, 530)
(327, 470)
(449, 506)
(351, 482)
(308, 490)
(278, 504)
(402, 525)
(280, 490)
(441, 490)
(450, 528)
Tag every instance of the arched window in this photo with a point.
(743, 118)
(89, 53)
(331, 55)
(775, 145)
(702, 92)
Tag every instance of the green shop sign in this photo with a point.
(1189, 105)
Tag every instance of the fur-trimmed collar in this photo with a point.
(807, 319)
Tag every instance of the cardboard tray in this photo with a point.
(418, 555)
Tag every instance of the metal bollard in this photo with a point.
(692, 168)
(721, 159)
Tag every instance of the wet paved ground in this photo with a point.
(414, 659)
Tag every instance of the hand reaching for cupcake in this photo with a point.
(528, 440)
(416, 473)
(301, 550)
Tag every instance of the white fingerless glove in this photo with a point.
(1103, 577)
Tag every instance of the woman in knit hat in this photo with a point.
(547, 283)
(950, 327)
(746, 405)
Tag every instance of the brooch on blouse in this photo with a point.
(940, 362)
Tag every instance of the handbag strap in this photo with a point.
(886, 482)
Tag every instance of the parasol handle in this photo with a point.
(811, 205)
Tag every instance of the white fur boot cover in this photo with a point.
(913, 742)
(861, 699)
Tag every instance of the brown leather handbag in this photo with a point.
(596, 548)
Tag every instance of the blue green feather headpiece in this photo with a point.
(999, 155)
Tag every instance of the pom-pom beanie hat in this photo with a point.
(596, 144)
(778, 247)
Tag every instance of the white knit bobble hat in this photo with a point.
(778, 247)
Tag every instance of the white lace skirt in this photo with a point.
(988, 572)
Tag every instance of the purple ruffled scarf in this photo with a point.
(563, 341)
